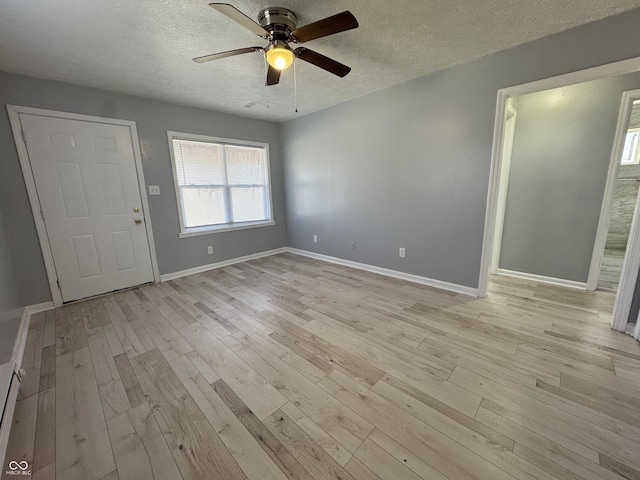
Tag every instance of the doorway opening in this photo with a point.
(557, 184)
(624, 201)
(500, 171)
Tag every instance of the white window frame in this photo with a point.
(225, 227)
(636, 153)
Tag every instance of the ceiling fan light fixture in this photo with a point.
(279, 55)
(279, 26)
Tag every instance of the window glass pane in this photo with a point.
(203, 206)
(220, 184)
(245, 165)
(630, 149)
(248, 204)
(199, 163)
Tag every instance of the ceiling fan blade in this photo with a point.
(237, 16)
(323, 62)
(335, 24)
(229, 53)
(273, 76)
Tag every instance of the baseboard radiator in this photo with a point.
(10, 376)
(9, 386)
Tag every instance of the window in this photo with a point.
(220, 184)
(630, 150)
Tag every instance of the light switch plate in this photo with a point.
(154, 189)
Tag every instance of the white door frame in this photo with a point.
(629, 274)
(631, 262)
(608, 70)
(503, 184)
(14, 118)
(626, 105)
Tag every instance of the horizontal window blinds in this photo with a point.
(221, 184)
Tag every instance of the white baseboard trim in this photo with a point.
(9, 386)
(21, 340)
(430, 282)
(23, 329)
(541, 278)
(12, 373)
(451, 287)
(39, 307)
(224, 263)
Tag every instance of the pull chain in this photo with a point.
(266, 72)
(295, 86)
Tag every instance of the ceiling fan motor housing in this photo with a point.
(280, 22)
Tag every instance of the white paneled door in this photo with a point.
(87, 184)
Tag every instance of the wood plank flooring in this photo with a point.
(290, 368)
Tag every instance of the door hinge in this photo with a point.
(59, 287)
(24, 138)
(42, 213)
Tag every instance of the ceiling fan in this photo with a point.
(279, 26)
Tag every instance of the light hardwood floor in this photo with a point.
(290, 368)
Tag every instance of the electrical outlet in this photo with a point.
(353, 245)
(210, 249)
(315, 239)
(402, 252)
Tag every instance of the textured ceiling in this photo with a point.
(144, 47)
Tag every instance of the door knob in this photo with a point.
(136, 210)
(138, 220)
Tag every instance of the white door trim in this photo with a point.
(14, 112)
(501, 206)
(610, 189)
(608, 70)
(629, 274)
(560, 282)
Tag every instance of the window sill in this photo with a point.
(193, 232)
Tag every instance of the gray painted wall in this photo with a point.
(409, 166)
(153, 119)
(561, 153)
(399, 168)
(11, 304)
